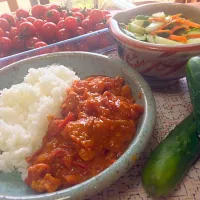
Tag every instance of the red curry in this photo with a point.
(99, 120)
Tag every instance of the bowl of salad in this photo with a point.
(158, 39)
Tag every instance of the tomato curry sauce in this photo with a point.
(98, 121)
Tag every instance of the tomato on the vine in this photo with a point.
(71, 23)
(9, 18)
(5, 44)
(96, 16)
(40, 44)
(27, 29)
(79, 15)
(4, 25)
(18, 43)
(85, 12)
(61, 24)
(100, 26)
(52, 16)
(105, 12)
(31, 19)
(6, 34)
(13, 32)
(55, 6)
(1, 33)
(63, 34)
(75, 9)
(62, 13)
(80, 31)
(38, 11)
(20, 20)
(30, 42)
(22, 13)
(93, 41)
(87, 25)
(48, 31)
(38, 23)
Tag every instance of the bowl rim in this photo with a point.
(121, 37)
(146, 129)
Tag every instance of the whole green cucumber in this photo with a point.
(171, 159)
(193, 80)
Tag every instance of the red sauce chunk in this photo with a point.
(99, 120)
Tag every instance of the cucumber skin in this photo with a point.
(193, 80)
(171, 159)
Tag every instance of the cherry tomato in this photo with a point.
(96, 16)
(68, 14)
(38, 11)
(79, 15)
(27, 29)
(31, 19)
(18, 43)
(61, 24)
(100, 26)
(30, 42)
(4, 25)
(38, 23)
(1, 33)
(13, 32)
(5, 44)
(6, 34)
(55, 6)
(62, 13)
(62, 34)
(52, 16)
(82, 46)
(71, 23)
(49, 30)
(75, 9)
(40, 44)
(105, 12)
(80, 31)
(22, 13)
(108, 16)
(87, 25)
(9, 18)
(85, 12)
(20, 20)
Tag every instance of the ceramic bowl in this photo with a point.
(157, 63)
(84, 64)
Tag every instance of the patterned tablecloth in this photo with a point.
(173, 105)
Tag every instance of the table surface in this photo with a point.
(173, 105)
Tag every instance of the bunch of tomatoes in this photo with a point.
(49, 24)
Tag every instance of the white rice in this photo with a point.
(23, 113)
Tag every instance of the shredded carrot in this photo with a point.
(177, 38)
(179, 27)
(158, 19)
(176, 16)
(162, 31)
(194, 36)
(187, 22)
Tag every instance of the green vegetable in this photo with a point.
(135, 35)
(171, 159)
(150, 38)
(134, 28)
(153, 27)
(142, 17)
(193, 79)
(161, 40)
(193, 41)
